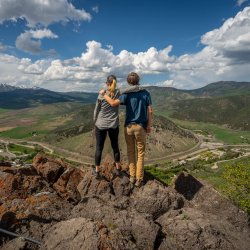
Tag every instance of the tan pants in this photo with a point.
(135, 136)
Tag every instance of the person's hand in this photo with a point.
(102, 92)
(149, 129)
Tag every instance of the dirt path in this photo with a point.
(71, 156)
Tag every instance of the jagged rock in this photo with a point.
(66, 185)
(44, 207)
(63, 177)
(72, 234)
(84, 234)
(190, 229)
(138, 226)
(121, 185)
(111, 214)
(156, 199)
(20, 183)
(90, 186)
(48, 168)
(209, 201)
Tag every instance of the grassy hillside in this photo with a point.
(166, 138)
(223, 88)
(25, 98)
(232, 111)
(39, 121)
(232, 179)
(218, 103)
(70, 126)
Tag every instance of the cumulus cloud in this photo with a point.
(168, 83)
(43, 12)
(89, 71)
(10, 73)
(224, 57)
(232, 39)
(30, 41)
(44, 33)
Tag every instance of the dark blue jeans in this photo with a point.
(101, 135)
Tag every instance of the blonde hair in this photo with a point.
(112, 87)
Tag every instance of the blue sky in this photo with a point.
(73, 45)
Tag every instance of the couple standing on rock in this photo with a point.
(138, 123)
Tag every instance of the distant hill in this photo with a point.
(18, 98)
(168, 94)
(221, 103)
(224, 102)
(231, 111)
(223, 88)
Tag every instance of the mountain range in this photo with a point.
(225, 103)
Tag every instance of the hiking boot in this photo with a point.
(96, 174)
(132, 180)
(118, 171)
(139, 183)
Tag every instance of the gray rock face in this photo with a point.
(189, 227)
(72, 234)
(133, 225)
(110, 214)
(156, 199)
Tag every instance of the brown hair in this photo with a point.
(133, 78)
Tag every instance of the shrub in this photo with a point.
(238, 176)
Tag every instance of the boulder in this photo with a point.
(190, 229)
(156, 199)
(90, 186)
(81, 233)
(20, 183)
(110, 214)
(133, 225)
(49, 168)
(121, 185)
(43, 207)
(66, 185)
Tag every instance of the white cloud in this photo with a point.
(240, 2)
(44, 12)
(10, 73)
(95, 9)
(225, 56)
(89, 71)
(232, 39)
(44, 33)
(30, 41)
(168, 83)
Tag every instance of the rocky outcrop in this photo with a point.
(65, 207)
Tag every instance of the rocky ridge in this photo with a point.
(64, 207)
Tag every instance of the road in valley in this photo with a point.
(200, 147)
